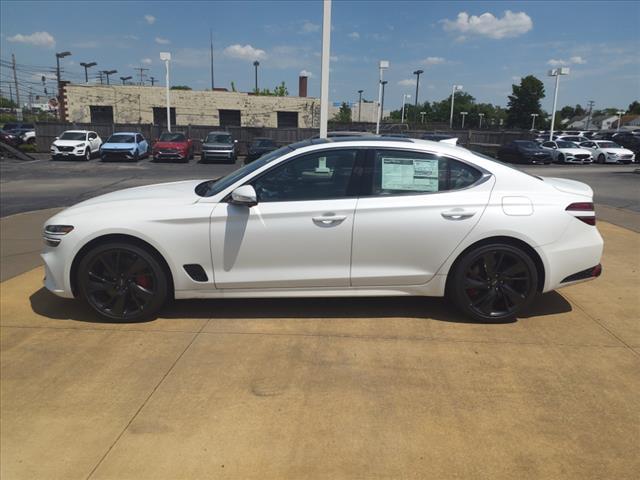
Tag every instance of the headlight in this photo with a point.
(57, 229)
(80, 145)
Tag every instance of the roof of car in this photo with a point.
(218, 132)
(126, 133)
(78, 131)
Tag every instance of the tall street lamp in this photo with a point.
(620, 113)
(166, 58)
(556, 72)
(59, 55)
(464, 114)
(124, 79)
(109, 72)
(382, 102)
(404, 97)
(382, 66)
(533, 120)
(87, 66)
(422, 114)
(417, 73)
(456, 88)
(360, 104)
(256, 64)
(480, 115)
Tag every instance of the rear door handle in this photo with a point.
(329, 220)
(457, 214)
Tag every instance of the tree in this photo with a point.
(180, 87)
(524, 100)
(281, 90)
(233, 86)
(579, 111)
(343, 115)
(6, 103)
(634, 108)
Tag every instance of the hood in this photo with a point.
(574, 151)
(219, 146)
(569, 186)
(68, 143)
(172, 145)
(119, 146)
(155, 196)
(619, 151)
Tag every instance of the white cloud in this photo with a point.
(146, 61)
(354, 35)
(308, 27)
(244, 52)
(131, 37)
(306, 73)
(433, 61)
(162, 41)
(37, 39)
(407, 82)
(558, 62)
(577, 60)
(150, 19)
(488, 25)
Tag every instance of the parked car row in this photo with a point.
(18, 133)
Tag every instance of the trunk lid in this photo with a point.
(569, 186)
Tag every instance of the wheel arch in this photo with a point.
(515, 242)
(118, 237)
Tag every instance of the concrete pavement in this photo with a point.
(326, 388)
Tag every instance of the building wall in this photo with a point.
(134, 104)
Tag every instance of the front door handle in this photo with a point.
(329, 220)
(457, 214)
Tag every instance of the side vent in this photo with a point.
(196, 272)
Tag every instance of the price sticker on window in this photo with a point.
(420, 175)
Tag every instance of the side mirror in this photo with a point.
(235, 141)
(57, 138)
(244, 195)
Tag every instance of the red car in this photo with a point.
(173, 146)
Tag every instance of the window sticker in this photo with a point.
(409, 174)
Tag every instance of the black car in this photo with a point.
(9, 138)
(438, 137)
(524, 151)
(259, 147)
(630, 141)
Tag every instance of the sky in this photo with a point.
(483, 46)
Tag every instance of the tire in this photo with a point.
(122, 282)
(136, 156)
(561, 158)
(601, 158)
(493, 283)
(87, 154)
(31, 141)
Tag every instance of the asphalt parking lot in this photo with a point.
(314, 388)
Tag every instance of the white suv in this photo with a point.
(76, 144)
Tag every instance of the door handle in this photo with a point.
(457, 214)
(329, 220)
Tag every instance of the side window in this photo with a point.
(549, 144)
(412, 173)
(320, 175)
(92, 136)
(139, 138)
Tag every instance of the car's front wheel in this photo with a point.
(493, 283)
(122, 282)
(87, 154)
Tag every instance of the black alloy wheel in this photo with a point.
(87, 154)
(122, 282)
(494, 283)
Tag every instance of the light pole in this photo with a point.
(620, 113)
(464, 114)
(417, 73)
(360, 104)
(382, 104)
(109, 72)
(556, 72)
(422, 114)
(384, 64)
(256, 64)
(325, 61)
(533, 120)
(58, 57)
(456, 88)
(166, 57)
(124, 79)
(480, 115)
(404, 97)
(87, 66)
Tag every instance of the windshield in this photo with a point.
(608, 145)
(218, 138)
(172, 137)
(565, 144)
(213, 187)
(73, 136)
(526, 144)
(267, 142)
(121, 138)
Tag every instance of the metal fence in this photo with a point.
(482, 140)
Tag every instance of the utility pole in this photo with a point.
(100, 77)
(142, 74)
(591, 104)
(324, 68)
(211, 55)
(10, 93)
(360, 104)
(152, 80)
(15, 79)
(384, 82)
(256, 64)
(417, 73)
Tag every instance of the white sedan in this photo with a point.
(567, 152)
(606, 151)
(329, 218)
(81, 144)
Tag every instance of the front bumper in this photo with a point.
(58, 155)
(169, 155)
(217, 154)
(107, 155)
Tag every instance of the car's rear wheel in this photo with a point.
(601, 158)
(493, 283)
(122, 282)
(136, 156)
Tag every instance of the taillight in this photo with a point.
(584, 212)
